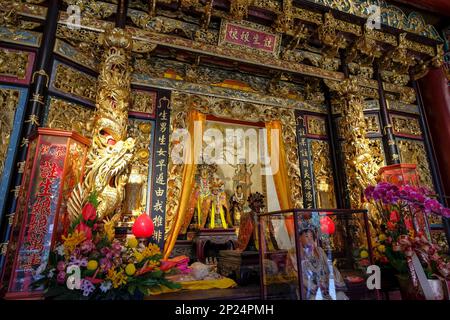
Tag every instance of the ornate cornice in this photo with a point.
(390, 15)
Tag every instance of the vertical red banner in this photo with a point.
(54, 167)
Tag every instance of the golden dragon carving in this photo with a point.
(111, 151)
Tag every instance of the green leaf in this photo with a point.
(143, 289)
(75, 223)
(131, 289)
(93, 199)
(157, 274)
(170, 284)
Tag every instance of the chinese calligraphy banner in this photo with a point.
(158, 199)
(305, 161)
(53, 167)
(247, 36)
(42, 204)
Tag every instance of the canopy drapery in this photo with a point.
(280, 174)
(189, 170)
(279, 170)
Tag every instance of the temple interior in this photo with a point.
(242, 149)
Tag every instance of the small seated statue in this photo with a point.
(219, 214)
(238, 206)
(208, 206)
(316, 268)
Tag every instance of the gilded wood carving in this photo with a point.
(9, 100)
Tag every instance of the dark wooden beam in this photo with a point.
(121, 14)
(34, 115)
(390, 147)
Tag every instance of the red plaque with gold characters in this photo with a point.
(55, 164)
(247, 36)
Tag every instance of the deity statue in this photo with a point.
(135, 194)
(208, 198)
(247, 235)
(316, 268)
(219, 215)
(242, 176)
(238, 205)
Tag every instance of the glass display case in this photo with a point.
(315, 255)
(54, 166)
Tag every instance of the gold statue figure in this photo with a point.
(136, 196)
(219, 214)
(208, 202)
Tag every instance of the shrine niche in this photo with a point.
(234, 180)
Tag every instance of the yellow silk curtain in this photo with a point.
(187, 180)
(280, 177)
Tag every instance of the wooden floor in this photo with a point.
(250, 292)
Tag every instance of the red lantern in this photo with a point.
(143, 226)
(327, 225)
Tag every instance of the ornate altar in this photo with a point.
(243, 263)
(240, 265)
(207, 242)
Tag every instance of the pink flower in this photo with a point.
(89, 212)
(61, 266)
(61, 277)
(432, 205)
(364, 262)
(105, 264)
(82, 227)
(394, 217)
(116, 246)
(390, 225)
(445, 212)
(369, 192)
(87, 246)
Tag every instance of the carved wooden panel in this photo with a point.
(9, 101)
(73, 83)
(66, 115)
(16, 66)
(406, 126)
(412, 151)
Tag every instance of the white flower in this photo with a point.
(105, 286)
(60, 249)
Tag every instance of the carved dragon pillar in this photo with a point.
(111, 151)
(361, 167)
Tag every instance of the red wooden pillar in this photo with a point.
(436, 99)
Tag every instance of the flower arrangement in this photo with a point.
(401, 209)
(361, 254)
(108, 268)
